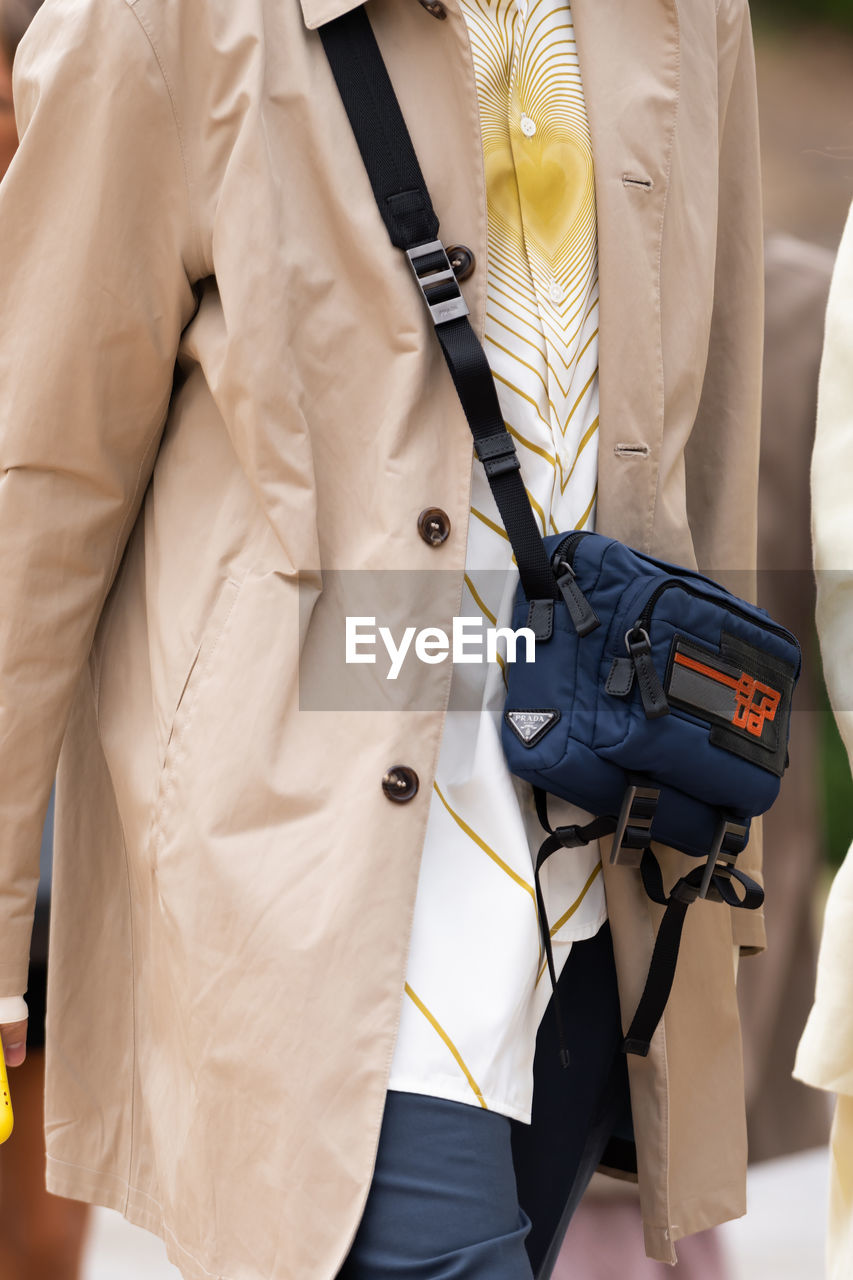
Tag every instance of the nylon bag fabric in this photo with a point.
(726, 670)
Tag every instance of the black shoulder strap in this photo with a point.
(406, 208)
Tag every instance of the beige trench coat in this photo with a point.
(233, 889)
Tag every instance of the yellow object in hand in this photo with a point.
(6, 1118)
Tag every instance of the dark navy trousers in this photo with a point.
(443, 1204)
(444, 1201)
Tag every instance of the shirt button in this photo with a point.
(435, 7)
(462, 261)
(434, 526)
(528, 126)
(555, 292)
(400, 783)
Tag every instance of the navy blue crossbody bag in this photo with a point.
(657, 700)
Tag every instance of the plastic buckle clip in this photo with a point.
(634, 827)
(729, 841)
(437, 282)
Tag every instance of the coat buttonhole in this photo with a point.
(645, 184)
(631, 450)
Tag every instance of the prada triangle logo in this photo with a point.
(530, 726)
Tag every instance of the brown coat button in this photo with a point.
(434, 526)
(435, 7)
(462, 261)
(400, 783)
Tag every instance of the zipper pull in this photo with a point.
(581, 612)
(620, 681)
(652, 694)
(540, 619)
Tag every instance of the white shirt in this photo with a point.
(477, 985)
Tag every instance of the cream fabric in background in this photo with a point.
(825, 1055)
(840, 1250)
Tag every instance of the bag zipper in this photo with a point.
(640, 662)
(566, 550)
(645, 618)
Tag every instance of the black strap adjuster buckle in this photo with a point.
(497, 453)
(634, 826)
(729, 841)
(437, 282)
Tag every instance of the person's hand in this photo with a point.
(14, 1042)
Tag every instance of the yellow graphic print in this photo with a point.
(476, 957)
(546, 173)
(542, 322)
(419, 1004)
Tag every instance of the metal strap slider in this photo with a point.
(437, 282)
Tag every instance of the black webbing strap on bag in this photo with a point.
(573, 837)
(665, 955)
(406, 208)
(709, 879)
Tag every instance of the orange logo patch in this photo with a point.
(755, 703)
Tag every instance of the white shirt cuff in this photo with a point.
(12, 1009)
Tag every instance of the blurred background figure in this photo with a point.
(41, 1236)
(8, 132)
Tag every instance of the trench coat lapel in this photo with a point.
(630, 68)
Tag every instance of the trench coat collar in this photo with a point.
(318, 12)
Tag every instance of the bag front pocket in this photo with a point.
(711, 660)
